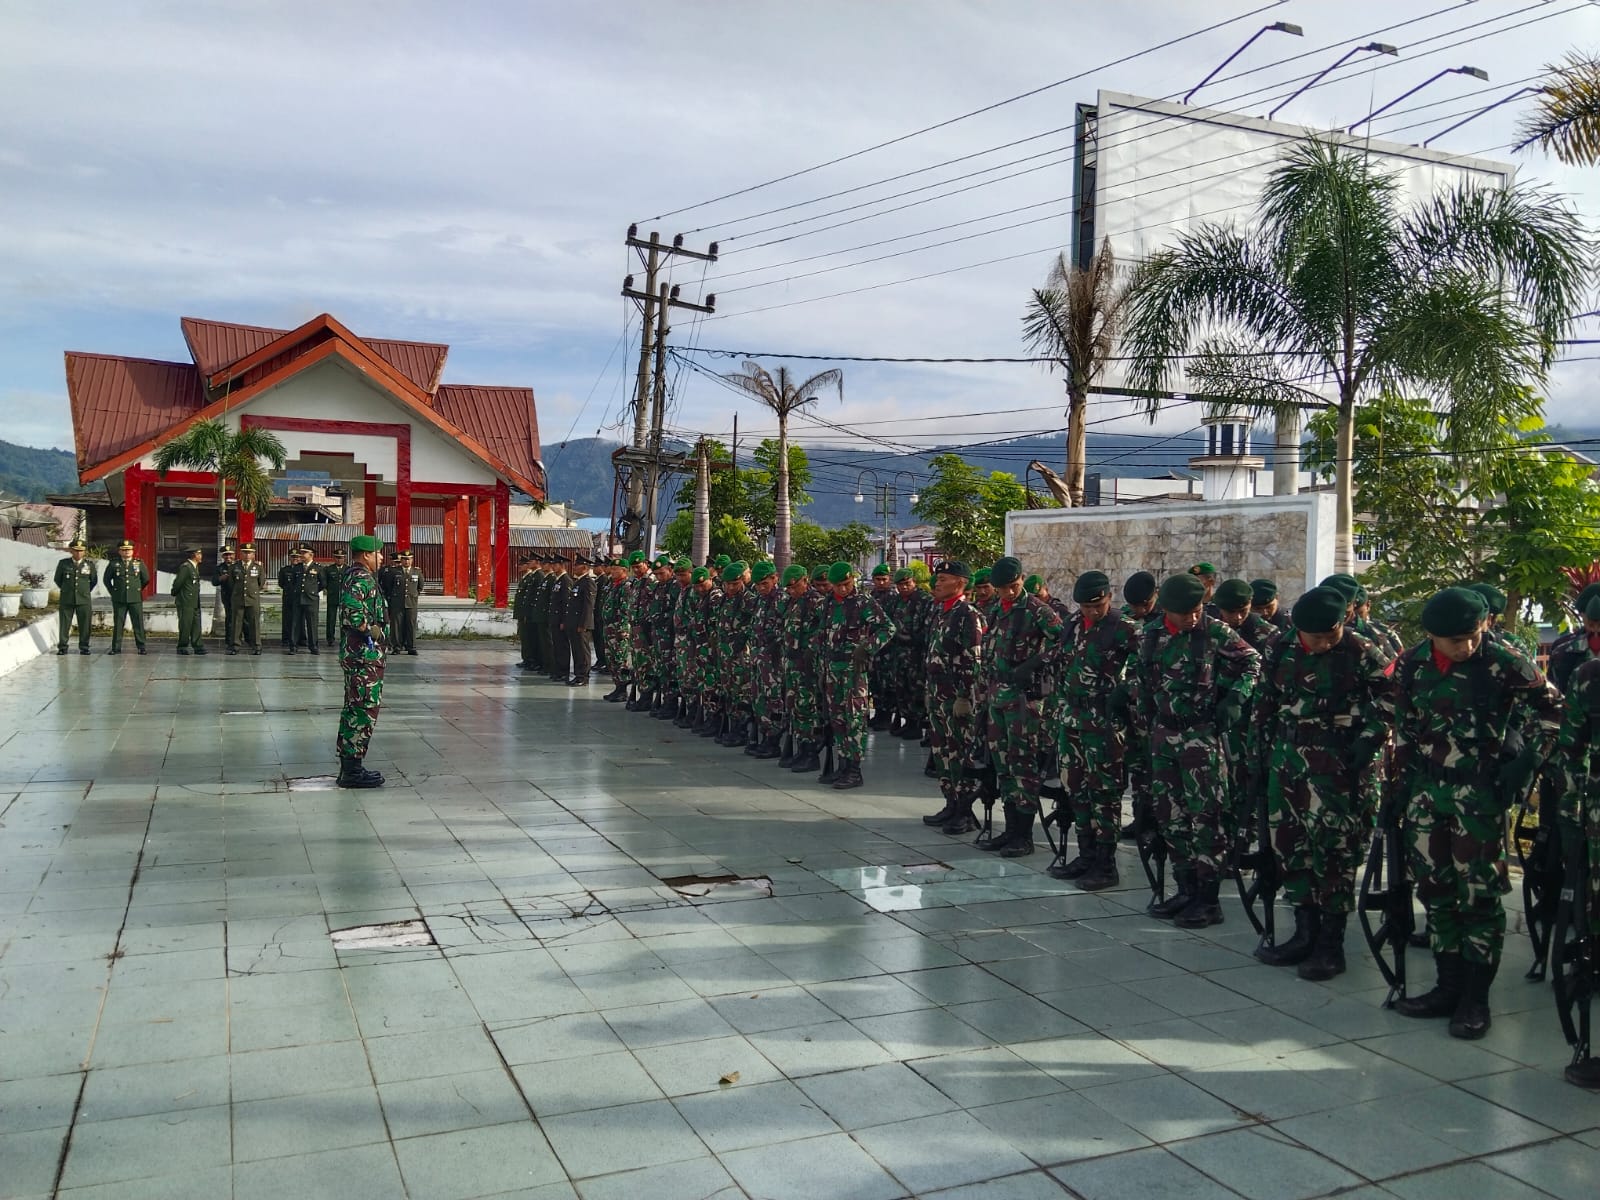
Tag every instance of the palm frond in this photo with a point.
(1258, 384)
(1567, 120)
(1322, 193)
(200, 448)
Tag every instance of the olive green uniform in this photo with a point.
(75, 581)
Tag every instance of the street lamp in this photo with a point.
(1475, 72)
(1527, 91)
(1369, 48)
(1275, 27)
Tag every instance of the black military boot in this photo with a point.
(944, 814)
(929, 767)
(1079, 865)
(711, 726)
(1445, 996)
(1102, 872)
(830, 767)
(911, 729)
(1471, 1018)
(1183, 878)
(1298, 948)
(962, 819)
(770, 747)
(1327, 956)
(1022, 840)
(805, 758)
(1584, 1073)
(619, 692)
(353, 775)
(668, 709)
(1203, 910)
(788, 747)
(880, 719)
(999, 841)
(849, 776)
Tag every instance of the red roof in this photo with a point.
(123, 407)
(120, 403)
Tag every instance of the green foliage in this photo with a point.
(1448, 506)
(233, 455)
(922, 573)
(969, 508)
(813, 545)
(33, 473)
(759, 485)
(729, 535)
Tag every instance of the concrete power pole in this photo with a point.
(1286, 455)
(700, 548)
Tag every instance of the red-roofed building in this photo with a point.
(370, 413)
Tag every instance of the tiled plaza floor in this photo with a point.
(905, 1016)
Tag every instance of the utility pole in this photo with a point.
(641, 464)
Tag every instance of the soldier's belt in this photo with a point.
(1457, 776)
(1317, 733)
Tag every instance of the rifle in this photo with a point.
(1262, 863)
(1386, 891)
(1152, 848)
(988, 792)
(1542, 870)
(1058, 814)
(1574, 950)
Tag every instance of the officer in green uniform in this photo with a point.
(75, 579)
(249, 578)
(224, 585)
(332, 574)
(519, 610)
(308, 584)
(288, 599)
(125, 579)
(186, 596)
(408, 583)
(363, 620)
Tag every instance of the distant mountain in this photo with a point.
(31, 473)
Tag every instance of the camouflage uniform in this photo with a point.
(880, 680)
(1094, 668)
(1261, 635)
(685, 644)
(1450, 728)
(1385, 640)
(1187, 684)
(799, 628)
(1323, 721)
(663, 602)
(907, 655)
(1580, 765)
(636, 610)
(1569, 652)
(1026, 629)
(733, 676)
(361, 658)
(849, 625)
(766, 642)
(619, 640)
(955, 674)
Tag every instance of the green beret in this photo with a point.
(980, 576)
(1232, 595)
(732, 572)
(722, 560)
(1492, 596)
(819, 572)
(762, 570)
(1453, 612)
(1090, 586)
(903, 573)
(699, 575)
(365, 543)
(682, 564)
(1592, 609)
(1032, 584)
(953, 566)
(1140, 588)
(1345, 585)
(839, 572)
(1181, 594)
(881, 569)
(1007, 570)
(1203, 568)
(636, 557)
(1585, 596)
(793, 573)
(1361, 594)
(1263, 592)
(1319, 610)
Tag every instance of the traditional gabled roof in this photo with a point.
(123, 407)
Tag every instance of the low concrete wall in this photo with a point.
(26, 644)
(1288, 539)
(14, 555)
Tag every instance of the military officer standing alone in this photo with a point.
(408, 584)
(186, 597)
(308, 581)
(125, 579)
(75, 580)
(248, 580)
(363, 620)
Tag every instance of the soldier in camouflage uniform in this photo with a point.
(766, 665)
(955, 697)
(363, 619)
(619, 646)
(855, 631)
(1324, 709)
(1582, 644)
(1024, 635)
(663, 600)
(1465, 706)
(1139, 606)
(809, 666)
(1095, 665)
(982, 591)
(733, 639)
(1264, 603)
(1195, 677)
(880, 682)
(1578, 756)
(1385, 638)
(636, 612)
(1233, 599)
(795, 665)
(907, 654)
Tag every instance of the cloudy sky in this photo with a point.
(466, 172)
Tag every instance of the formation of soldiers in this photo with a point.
(1256, 740)
(556, 606)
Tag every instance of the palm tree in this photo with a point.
(1567, 121)
(234, 457)
(1460, 299)
(783, 396)
(1074, 320)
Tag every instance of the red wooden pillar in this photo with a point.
(402, 506)
(463, 546)
(447, 581)
(134, 489)
(247, 527)
(502, 543)
(485, 534)
(369, 508)
(150, 541)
